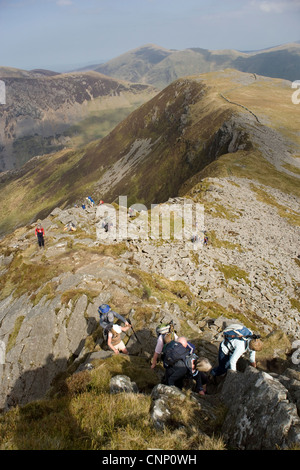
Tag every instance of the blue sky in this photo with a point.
(61, 34)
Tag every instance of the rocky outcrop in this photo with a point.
(262, 415)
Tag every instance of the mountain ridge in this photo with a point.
(179, 132)
(159, 66)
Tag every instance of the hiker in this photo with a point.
(70, 227)
(40, 233)
(160, 344)
(107, 223)
(180, 363)
(238, 340)
(90, 201)
(107, 317)
(114, 340)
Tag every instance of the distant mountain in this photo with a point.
(158, 66)
(46, 111)
(225, 122)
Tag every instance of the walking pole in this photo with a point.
(129, 321)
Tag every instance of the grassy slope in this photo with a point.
(270, 100)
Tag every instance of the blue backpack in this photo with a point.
(104, 308)
(236, 331)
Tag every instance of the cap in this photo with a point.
(117, 328)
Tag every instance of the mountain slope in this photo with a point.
(159, 67)
(57, 377)
(151, 155)
(226, 141)
(46, 112)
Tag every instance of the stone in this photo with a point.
(260, 415)
(122, 383)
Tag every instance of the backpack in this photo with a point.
(236, 331)
(174, 352)
(189, 363)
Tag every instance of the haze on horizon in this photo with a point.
(65, 34)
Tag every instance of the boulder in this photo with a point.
(260, 415)
(122, 383)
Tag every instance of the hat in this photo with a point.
(255, 345)
(203, 364)
(117, 328)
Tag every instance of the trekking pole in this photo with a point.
(129, 321)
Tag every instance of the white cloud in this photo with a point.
(276, 6)
(63, 3)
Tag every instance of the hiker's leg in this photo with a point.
(121, 347)
(201, 381)
(178, 372)
(223, 364)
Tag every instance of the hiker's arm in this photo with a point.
(154, 360)
(158, 350)
(125, 328)
(252, 358)
(121, 318)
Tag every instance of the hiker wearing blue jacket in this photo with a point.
(234, 347)
(107, 318)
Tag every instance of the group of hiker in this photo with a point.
(89, 202)
(178, 354)
(197, 238)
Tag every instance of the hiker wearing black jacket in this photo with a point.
(180, 364)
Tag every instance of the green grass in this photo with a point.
(245, 164)
(292, 168)
(96, 126)
(13, 335)
(83, 415)
(217, 243)
(292, 216)
(233, 272)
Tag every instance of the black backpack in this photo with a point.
(173, 353)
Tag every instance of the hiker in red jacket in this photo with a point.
(40, 233)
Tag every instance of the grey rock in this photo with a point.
(122, 383)
(260, 417)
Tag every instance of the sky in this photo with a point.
(64, 34)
